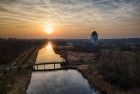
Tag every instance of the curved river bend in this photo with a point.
(57, 82)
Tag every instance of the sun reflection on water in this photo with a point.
(47, 55)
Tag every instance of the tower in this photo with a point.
(94, 38)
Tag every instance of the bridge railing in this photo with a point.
(44, 66)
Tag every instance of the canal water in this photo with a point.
(47, 54)
(57, 82)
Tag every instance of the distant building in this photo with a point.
(94, 38)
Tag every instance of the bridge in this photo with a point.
(47, 66)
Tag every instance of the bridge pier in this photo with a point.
(44, 66)
(37, 67)
(54, 66)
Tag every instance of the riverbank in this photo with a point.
(95, 78)
(17, 79)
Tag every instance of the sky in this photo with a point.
(70, 19)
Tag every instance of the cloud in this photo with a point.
(98, 13)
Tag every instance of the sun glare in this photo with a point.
(49, 29)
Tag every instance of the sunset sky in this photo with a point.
(69, 18)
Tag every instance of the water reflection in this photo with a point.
(56, 82)
(59, 82)
(47, 54)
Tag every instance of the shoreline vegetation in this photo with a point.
(15, 74)
(109, 77)
(16, 81)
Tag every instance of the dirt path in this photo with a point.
(16, 81)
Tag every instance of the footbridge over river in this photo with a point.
(45, 66)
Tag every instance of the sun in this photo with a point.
(49, 28)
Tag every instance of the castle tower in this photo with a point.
(94, 38)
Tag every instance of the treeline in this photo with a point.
(11, 48)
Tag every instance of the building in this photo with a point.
(94, 38)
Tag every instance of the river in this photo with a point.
(57, 82)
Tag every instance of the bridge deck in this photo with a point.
(48, 69)
(44, 64)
